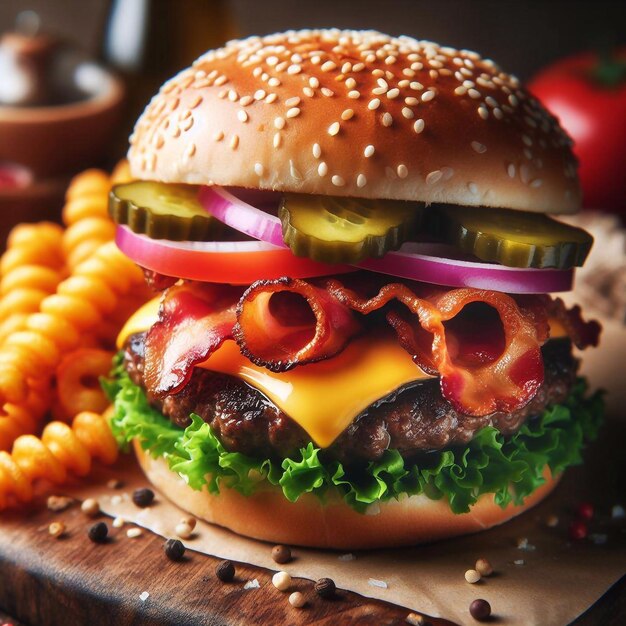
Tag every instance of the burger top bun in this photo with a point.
(357, 113)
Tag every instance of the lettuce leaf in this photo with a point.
(511, 468)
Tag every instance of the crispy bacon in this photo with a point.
(194, 320)
(287, 322)
(484, 345)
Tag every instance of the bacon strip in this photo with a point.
(194, 320)
(287, 322)
(582, 333)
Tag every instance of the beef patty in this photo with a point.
(412, 419)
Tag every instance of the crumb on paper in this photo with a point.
(598, 539)
(115, 500)
(523, 544)
(618, 512)
(519, 562)
(252, 584)
(381, 584)
(415, 620)
(144, 596)
(346, 557)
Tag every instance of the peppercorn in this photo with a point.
(174, 549)
(480, 610)
(577, 530)
(281, 554)
(225, 571)
(143, 497)
(325, 588)
(585, 510)
(297, 600)
(98, 532)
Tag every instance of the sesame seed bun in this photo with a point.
(268, 516)
(357, 114)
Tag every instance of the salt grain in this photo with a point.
(377, 583)
(144, 596)
(252, 584)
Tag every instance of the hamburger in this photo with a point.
(353, 342)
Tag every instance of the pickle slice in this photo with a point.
(162, 211)
(346, 230)
(512, 238)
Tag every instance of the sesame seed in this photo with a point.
(292, 102)
(434, 177)
(390, 60)
(277, 140)
(527, 140)
(447, 172)
(386, 119)
(361, 180)
(358, 67)
(415, 86)
(536, 183)
(271, 98)
(474, 93)
(219, 135)
(473, 189)
(234, 142)
(327, 92)
(460, 91)
(279, 123)
(427, 96)
(346, 67)
(273, 82)
(483, 111)
(294, 69)
(354, 95)
(317, 150)
(479, 147)
(418, 126)
(408, 113)
(258, 169)
(411, 101)
(245, 101)
(524, 173)
(333, 129)
(468, 84)
(379, 91)
(369, 151)
(377, 72)
(322, 169)
(528, 154)
(492, 102)
(232, 95)
(403, 83)
(383, 83)
(393, 93)
(313, 82)
(347, 114)
(338, 181)
(221, 80)
(328, 66)
(513, 100)
(408, 72)
(373, 104)
(402, 171)
(497, 113)
(242, 116)
(350, 83)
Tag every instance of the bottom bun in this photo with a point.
(267, 515)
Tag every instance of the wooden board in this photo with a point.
(71, 581)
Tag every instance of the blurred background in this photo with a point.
(59, 75)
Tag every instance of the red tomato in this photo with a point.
(234, 262)
(589, 98)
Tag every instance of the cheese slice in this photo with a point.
(323, 397)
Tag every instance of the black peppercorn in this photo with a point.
(98, 532)
(225, 571)
(325, 588)
(480, 610)
(281, 554)
(174, 549)
(143, 497)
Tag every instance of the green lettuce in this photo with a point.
(509, 467)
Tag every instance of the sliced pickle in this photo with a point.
(512, 238)
(346, 230)
(162, 211)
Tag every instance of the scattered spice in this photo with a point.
(225, 571)
(480, 610)
(577, 530)
(472, 576)
(297, 600)
(281, 580)
(133, 533)
(415, 620)
(281, 554)
(522, 544)
(483, 567)
(56, 529)
(118, 522)
(519, 562)
(252, 584)
(585, 510)
(90, 507)
(325, 588)
(59, 503)
(174, 549)
(552, 521)
(114, 483)
(184, 530)
(98, 532)
(143, 497)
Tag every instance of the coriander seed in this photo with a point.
(281, 580)
(281, 554)
(483, 567)
(56, 529)
(174, 549)
(90, 507)
(59, 503)
(325, 588)
(225, 571)
(297, 600)
(480, 610)
(143, 497)
(472, 576)
(183, 530)
(98, 532)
